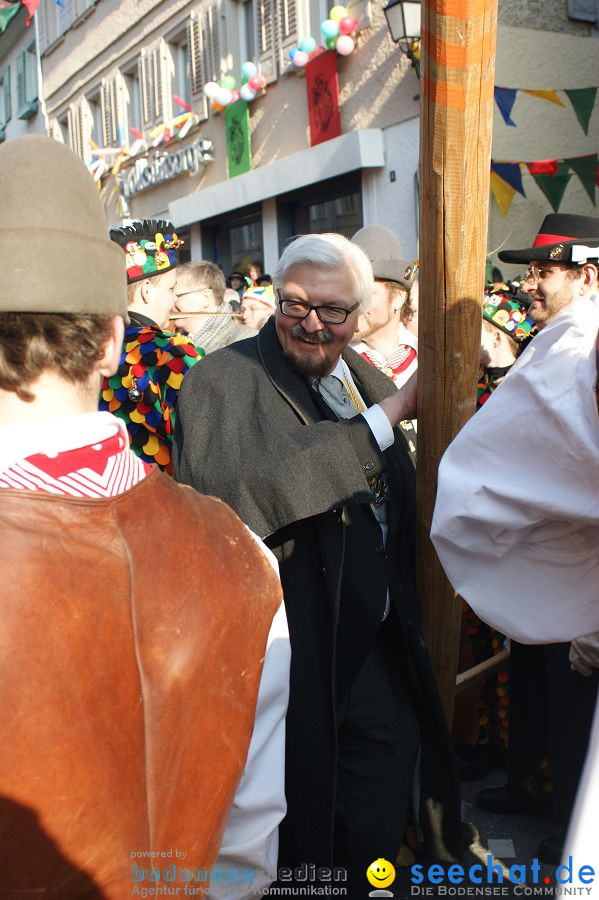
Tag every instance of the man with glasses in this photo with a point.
(201, 311)
(296, 432)
(517, 519)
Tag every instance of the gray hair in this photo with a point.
(328, 251)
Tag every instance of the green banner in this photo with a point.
(585, 167)
(553, 186)
(583, 102)
(239, 150)
(6, 15)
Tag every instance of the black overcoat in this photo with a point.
(250, 432)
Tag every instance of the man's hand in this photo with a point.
(402, 405)
(584, 654)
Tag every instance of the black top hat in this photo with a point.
(559, 233)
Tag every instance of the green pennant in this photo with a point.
(6, 16)
(583, 103)
(553, 186)
(237, 126)
(585, 167)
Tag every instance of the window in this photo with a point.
(27, 82)
(132, 97)
(241, 17)
(335, 205)
(5, 99)
(181, 77)
(155, 79)
(95, 110)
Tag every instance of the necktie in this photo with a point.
(336, 397)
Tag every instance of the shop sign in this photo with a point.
(147, 173)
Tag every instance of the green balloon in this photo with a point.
(331, 43)
(229, 82)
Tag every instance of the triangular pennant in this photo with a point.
(583, 102)
(503, 193)
(542, 167)
(551, 96)
(585, 167)
(6, 15)
(511, 173)
(553, 186)
(504, 98)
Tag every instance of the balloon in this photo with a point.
(224, 96)
(337, 13)
(248, 69)
(329, 29)
(247, 93)
(347, 25)
(228, 83)
(307, 44)
(235, 95)
(345, 45)
(331, 43)
(292, 52)
(255, 82)
(216, 106)
(300, 59)
(210, 89)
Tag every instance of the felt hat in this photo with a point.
(559, 234)
(508, 314)
(384, 250)
(151, 248)
(55, 253)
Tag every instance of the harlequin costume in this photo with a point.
(143, 391)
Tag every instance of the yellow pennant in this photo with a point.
(551, 96)
(503, 193)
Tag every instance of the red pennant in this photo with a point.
(542, 167)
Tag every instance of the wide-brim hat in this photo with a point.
(384, 250)
(558, 235)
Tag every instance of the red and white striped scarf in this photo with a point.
(103, 469)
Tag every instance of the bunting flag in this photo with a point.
(7, 14)
(583, 103)
(503, 193)
(550, 175)
(586, 168)
(509, 172)
(551, 96)
(582, 100)
(239, 149)
(554, 186)
(505, 98)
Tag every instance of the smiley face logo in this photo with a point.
(380, 873)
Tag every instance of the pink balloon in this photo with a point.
(234, 96)
(345, 45)
(255, 82)
(300, 59)
(347, 25)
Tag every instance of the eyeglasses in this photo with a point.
(533, 273)
(329, 315)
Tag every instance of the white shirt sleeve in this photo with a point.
(251, 840)
(380, 426)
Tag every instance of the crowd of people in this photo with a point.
(214, 566)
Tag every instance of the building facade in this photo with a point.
(20, 77)
(125, 74)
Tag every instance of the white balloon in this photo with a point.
(300, 59)
(223, 97)
(345, 45)
(211, 89)
(246, 92)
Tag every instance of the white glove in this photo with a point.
(584, 654)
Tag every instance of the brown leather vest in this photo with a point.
(132, 637)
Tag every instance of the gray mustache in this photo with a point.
(318, 337)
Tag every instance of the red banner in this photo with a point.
(322, 85)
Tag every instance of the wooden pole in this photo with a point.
(458, 73)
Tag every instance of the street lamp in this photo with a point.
(403, 21)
